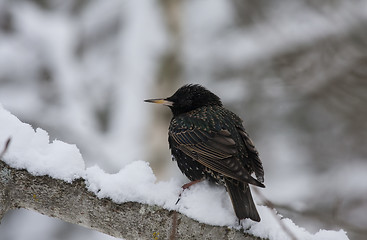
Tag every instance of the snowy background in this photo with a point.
(295, 71)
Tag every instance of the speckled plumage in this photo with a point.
(202, 124)
(210, 142)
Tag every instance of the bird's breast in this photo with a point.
(188, 166)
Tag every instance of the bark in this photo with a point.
(72, 202)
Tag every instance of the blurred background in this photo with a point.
(295, 71)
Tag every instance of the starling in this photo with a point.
(210, 142)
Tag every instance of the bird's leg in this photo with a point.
(187, 185)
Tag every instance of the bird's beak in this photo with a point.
(160, 101)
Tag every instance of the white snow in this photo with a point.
(135, 182)
(30, 149)
(275, 231)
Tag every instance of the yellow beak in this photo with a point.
(160, 101)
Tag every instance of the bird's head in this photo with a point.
(188, 98)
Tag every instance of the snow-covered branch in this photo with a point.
(72, 202)
(50, 177)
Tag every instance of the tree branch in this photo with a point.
(72, 202)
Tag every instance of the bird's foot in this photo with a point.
(185, 186)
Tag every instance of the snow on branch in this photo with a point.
(51, 178)
(73, 203)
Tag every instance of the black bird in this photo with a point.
(210, 142)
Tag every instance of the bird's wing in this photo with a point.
(215, 150)
(252, 154)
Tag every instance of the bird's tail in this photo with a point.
(242, 201)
